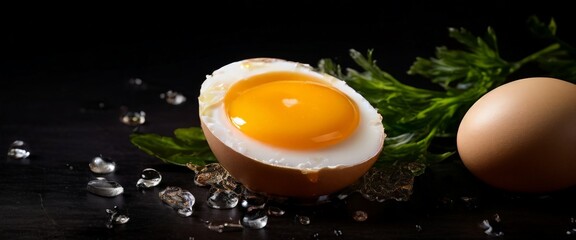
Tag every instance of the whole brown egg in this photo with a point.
(521, 136)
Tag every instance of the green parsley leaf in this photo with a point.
(188, 146)
(560, 63)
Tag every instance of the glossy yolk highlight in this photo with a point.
(291, 110)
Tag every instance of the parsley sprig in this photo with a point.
(188, 145)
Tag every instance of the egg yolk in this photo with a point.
(291, 110)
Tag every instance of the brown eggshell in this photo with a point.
(285, 182)
(521, 136)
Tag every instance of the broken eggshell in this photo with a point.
(282, 171)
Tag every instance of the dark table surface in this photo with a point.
(65, 83)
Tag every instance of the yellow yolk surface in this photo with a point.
(291, 110)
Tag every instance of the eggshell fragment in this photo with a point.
(521, 136)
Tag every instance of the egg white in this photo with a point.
(363, 144)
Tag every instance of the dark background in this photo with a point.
(58, 62)
(195, 39)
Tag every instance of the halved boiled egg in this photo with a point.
(283, 129)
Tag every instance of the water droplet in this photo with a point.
(224, 227)
(185, 212)
(102, 164)
(360, 216)
(179, 199)
(136, 84)
(255, 219)
(418, 228)
(105, 188)
(132, 118)
(149, 178)
(70, 166)
(338, 232)
(222, 198)
(493, 226)
(571, 227)
(254, 202)
(172, 97)
(470, 202)
(18, 150)
(316, 236)
(304, 220)
(116, 216)
(275, 211)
